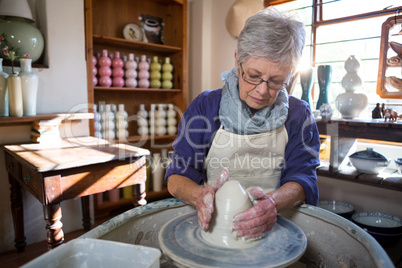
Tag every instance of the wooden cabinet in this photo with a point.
(105, 20)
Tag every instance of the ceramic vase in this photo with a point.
(94, 71)
(306, 82)
(157, 173)
(114, 195)
(3, 91)
(97, 123)
(155, 73)
(160, 121)
(167, 75)
(121, 123)
(151, 122)
(15, 95)
(108, 124)
(171, 120)
(142, 122)
(349, 103)
(117, 70)
(104, 70)
(131, 71)
(29, 86)
(23, 35)
(143, 73)
(324, 76)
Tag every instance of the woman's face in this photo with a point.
(255, 69)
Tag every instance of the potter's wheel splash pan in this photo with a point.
(180, 240)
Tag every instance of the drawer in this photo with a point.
(12, 167)
(32, 181)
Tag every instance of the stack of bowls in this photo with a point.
(385, 228)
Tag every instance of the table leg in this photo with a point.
(55, 235)
(17, 213)
(86, 217)
(139, 194)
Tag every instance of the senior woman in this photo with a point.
(250, 131)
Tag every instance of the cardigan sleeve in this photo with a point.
(302, 150)
(195, 134)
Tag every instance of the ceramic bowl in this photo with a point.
(340, 208)
(378, 222)
(398, 162)
(369, 161)
(385, 228)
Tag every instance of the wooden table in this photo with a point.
(76, 167)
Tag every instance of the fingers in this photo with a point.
(222, 178)
(205, 207)
(257, 220)
(256, 193)
(261, 207)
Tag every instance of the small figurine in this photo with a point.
(390, 114)
(382, 110)
(376, 113)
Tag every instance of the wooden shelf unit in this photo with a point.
(104, 23)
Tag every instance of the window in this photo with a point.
(337, 29)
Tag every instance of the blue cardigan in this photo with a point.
(200, 122)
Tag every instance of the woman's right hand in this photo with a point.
(205, 201)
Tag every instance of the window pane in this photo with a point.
(350, 30)
(333, 9)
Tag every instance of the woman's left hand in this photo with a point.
(258, 220)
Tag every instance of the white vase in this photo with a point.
(152, 114)
(121, 123)
(108, 123)
(15, 95)
(171, 120)
(3, 91)
(29, 86)
(351, 104)
(157, 173)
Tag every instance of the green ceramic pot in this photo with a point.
(23, 36)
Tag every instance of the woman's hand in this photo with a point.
(256, 221)
(205, 201)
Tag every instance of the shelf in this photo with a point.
(142, 46)
(26, 120)
(373, 129)
(388, 179)
(139, 138)
(17, 64)
(137, 89)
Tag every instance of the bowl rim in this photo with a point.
(337, 202)
(377, 214)
(398, 161)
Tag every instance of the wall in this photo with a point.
(212, 51)
(62, 87)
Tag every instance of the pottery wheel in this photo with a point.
(180, 240)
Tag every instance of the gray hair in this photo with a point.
(272, 36)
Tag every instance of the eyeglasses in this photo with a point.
(255, 80)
